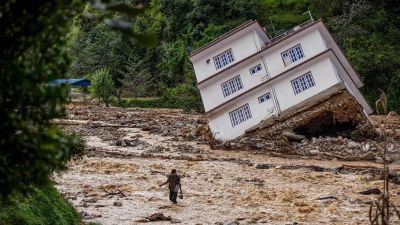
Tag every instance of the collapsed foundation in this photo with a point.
(331, 127)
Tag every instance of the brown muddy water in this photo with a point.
(219, 187)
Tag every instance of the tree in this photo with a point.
(32, 51)
(137, 80)
(102, 85)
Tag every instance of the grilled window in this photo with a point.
(292, 55)
(264, 98)
(223, 59)
(240, 115)
(303, 83)
(231, 86)
(255, 69)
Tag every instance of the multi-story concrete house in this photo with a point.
(245, 77)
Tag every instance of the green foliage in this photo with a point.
(367, 31)
(102, 86)
(44, 205)
(136, 78)
(184, 96)
(33, 51)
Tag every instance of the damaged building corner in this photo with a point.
(333, 126)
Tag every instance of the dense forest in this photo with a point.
(367, 31)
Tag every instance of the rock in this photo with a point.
(159, 217)
(349, 151)
(91, 200)
(373, 191)
(176, 221)
(258, 145)
(314, 152)
(263, 166)
(318, 168)
(73, 197)
(366, 147)
(234, 222)
(119, 204)
(314, 140)
(293, 136)
(85, 215)
(142, 221)
(324, 197)
(353, 144)
(368, 156)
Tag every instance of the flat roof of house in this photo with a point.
(224, 36)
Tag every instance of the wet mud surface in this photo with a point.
(130, 152)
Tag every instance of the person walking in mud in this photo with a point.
(174, 185)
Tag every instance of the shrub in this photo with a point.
(102, 86)
(183, 96)
(44, 205)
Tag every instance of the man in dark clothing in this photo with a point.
(174, 185)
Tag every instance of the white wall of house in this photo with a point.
(220, 122)
(242, 47)
(312, 44)
(324, 75)
(246, 43)
(211, 93)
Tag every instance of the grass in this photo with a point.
(43, 206)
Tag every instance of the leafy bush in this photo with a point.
(43, 206)
(184, 96)
(102, 85)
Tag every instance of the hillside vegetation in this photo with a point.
(367, 31)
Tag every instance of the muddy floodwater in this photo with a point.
(131, 151)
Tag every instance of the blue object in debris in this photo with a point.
(73, 82)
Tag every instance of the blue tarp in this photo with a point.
(73, 82)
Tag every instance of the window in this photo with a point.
(303, 83)
(255, 69)
(292, 55)
(223, 59)
(231, 86)
(240, 115)
(264, 98)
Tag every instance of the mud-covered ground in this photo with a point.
(130, 152)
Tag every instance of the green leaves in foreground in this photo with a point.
(143, 40)
(131, 11)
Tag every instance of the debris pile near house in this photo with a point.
(333, 127)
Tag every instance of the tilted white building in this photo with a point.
(245, 77)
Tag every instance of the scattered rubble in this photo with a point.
(159, 217)
(332, 128)
(218, 185)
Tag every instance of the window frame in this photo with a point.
(264, 95)
(230, 87)
(240, 115)
(255, 67)
(289, 55)
(223, 59)
(303, 83)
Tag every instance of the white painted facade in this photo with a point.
(322, 58)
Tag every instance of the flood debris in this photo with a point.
(159, 217)
(248, 181)
(333, 127)
(373, 191)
